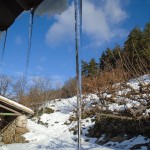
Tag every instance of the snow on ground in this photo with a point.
(127, 144)
(144, 80)
(55, 132)
(56, 135)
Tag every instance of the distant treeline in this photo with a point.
(133, 57)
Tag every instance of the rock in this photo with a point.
(21, 121)
(13, 133)
(21, 130)
(19, 139)
(118, 139)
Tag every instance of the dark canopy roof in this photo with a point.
(11, 9)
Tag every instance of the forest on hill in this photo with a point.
(120, 64)
(133, 57)
(117, 65)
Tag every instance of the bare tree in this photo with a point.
(69, 88)
(41, 83)
(5, 85)
(19, 88)
(39, 92)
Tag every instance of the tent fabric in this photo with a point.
(11, 9)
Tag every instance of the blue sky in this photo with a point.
(105, 24)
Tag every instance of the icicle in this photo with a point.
(78, 45)
(3, 50)
(30, 39)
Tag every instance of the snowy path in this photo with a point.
(55, 136)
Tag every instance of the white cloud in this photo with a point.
(62, 28)
(100, 22)
(40, 68)
(114, 11)
(18, 40)
(51, 7)
(94, 21)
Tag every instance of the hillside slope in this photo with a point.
(57, 129)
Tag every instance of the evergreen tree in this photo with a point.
(85, 67)
(110, 57)
(92, 68)
(116, 56)
(132, 46)
(116, 52)
(145, 51)
(133, 41)
(135, 55)
(146, 37)
(102, 61)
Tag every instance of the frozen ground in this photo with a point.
(55, 133)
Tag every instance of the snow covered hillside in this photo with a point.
(56, 130)
(55, 133)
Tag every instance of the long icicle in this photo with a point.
(29, 40)
(78, 45)
(4, 46)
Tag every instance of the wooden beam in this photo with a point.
(8, 114)
(16, 105)
(14, 111)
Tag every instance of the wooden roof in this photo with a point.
(9, 107)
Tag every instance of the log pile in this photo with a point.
(14, 131)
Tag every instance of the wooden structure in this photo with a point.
(13, 120)
(12, 108)
(11, 9)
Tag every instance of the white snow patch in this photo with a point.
(51, 7)
(143, 80)
(116, 107)
(55, 135)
